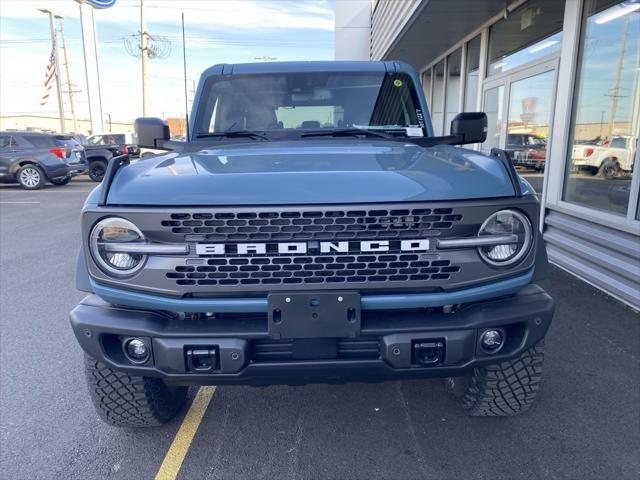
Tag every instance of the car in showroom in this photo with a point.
(312, 229)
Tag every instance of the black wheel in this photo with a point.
(127, 400)
(31, 177)
(500, 390)
(97, 168)
(609, 169)
(61, 181)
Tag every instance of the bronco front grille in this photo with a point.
(367, 252)
(326, 224)
(309, 269)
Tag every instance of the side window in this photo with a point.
(619, 142)
(5, 142)
(40, 141)
(96, 140)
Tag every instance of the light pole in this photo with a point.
(144, 52)
(54, 45)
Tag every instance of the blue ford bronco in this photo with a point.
(312, 229)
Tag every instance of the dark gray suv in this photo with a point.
(31, 158)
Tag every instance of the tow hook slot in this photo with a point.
(427, 353)
(202, 359)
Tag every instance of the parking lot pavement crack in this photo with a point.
(414, 437)
(294, 464)
(215, 469)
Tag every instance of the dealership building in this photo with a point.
(559, 82)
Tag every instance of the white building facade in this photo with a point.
(559, 81)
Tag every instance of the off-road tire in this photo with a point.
(501, 390)
(97, 169)
(60, 181)
(127, 400)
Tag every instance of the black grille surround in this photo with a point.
(232, 274)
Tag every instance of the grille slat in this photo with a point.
(319, 225)
(312, 269)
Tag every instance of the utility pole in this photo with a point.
(144, 53)
(70, 90)
(615, 91)
(54, 44)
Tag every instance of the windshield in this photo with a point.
(531, 140)
(67, 141)
(109, 139)
(310, 101)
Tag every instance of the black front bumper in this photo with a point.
(244, 353)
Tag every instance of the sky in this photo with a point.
(217, 31)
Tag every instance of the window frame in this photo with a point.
(561, 141)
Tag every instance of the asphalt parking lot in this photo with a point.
(585, 424)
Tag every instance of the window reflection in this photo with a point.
(604, 132)
(426, 86)
(473, 72)
(454, 66)
(532, 31)
(529, 115)
(493, 99)
(438, 96)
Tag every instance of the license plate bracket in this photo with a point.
(314, 315)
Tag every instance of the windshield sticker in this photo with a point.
(413, 131)
(397, 82)
(420, 117)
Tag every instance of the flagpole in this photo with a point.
(54, 44)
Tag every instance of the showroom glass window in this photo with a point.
(437, 97)
(473, 75)
(452, 103)
(426, 85)
(604, 132)
(532, 31)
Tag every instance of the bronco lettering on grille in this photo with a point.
(419, 245)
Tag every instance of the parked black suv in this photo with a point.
(31, 158)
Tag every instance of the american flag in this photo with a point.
(49, 75)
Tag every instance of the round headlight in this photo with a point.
(116, 230)
(509, 223)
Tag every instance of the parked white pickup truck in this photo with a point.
(608, 160)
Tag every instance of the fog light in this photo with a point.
(491, 340)
(137, 350)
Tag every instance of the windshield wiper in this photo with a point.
(234, 133)
(348, 132)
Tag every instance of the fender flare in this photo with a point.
(18, 164)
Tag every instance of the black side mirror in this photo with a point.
(471, 127)
(151, 132)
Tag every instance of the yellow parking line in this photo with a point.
(182, 441)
